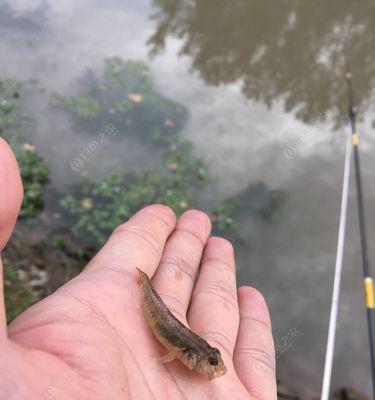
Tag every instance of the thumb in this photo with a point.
(10, 203)
(11, 192)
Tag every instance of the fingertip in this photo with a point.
(252, 295)
(252, 302)
(222, 244)
(195, 222)
(161, 211)
(154, 216)
(219, 249)
(197, 215)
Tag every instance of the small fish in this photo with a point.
(183, 344)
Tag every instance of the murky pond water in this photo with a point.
(262, 98)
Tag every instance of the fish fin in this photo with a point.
(191, 358)
(172, 355)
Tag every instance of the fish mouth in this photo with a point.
(218, 373)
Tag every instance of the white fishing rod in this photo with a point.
(338, 272)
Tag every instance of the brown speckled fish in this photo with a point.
(183, 344)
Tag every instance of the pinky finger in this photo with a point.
(254, 354)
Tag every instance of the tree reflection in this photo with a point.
(289, 49)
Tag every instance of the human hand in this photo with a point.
(89, 339)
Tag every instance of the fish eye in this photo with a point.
(213, 360)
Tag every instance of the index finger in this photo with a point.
(139, 242)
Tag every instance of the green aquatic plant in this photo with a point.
(9, 97)
(133, 78)
(123, 73)
(125, 95)
(83, 106)
(58, 242)
(270, 210)
(14, 128)
(34, 174)
(223, 215)
(18, 294)
(98, 206)
(128, 99)
(257, 200)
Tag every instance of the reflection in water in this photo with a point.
(30, 21)
(293, 50)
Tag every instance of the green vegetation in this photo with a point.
(34, 174)
(132, 78)
(106, 203)
(58, 242)
(13, 125)
(18, 294)
(83, 106)
(124, 94)
(257, 200)
(223, 215)
(271, 209)
(96, 207)
(9, 95)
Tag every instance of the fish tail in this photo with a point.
(142, 276)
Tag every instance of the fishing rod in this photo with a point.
(351, 143)
(368, 280)
(330, 348)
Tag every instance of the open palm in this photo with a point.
(89, 340)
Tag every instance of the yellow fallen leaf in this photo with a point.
(169, 124)
(87, 203)
(183, 204)
(28, 146)
(172, 166)
(135, 97)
